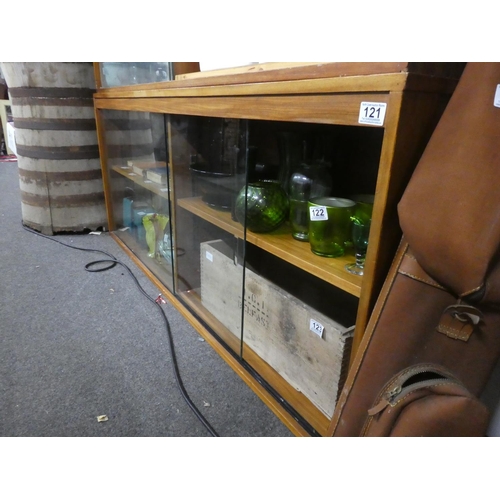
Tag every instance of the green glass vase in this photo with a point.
(266, 205)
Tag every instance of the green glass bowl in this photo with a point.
(266, 206)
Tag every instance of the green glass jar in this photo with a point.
(266, 204)
(330, 225)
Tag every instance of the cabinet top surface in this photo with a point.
(302, 78)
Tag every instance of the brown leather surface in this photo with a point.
(450, 216)
(450, 211)
(440, 412)
(402, 332)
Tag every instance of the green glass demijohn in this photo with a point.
(266, 205)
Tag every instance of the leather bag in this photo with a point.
(440, 304)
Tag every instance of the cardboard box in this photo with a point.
(157, 175)
(141, 167)
(309, 350)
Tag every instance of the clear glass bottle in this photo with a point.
(311, 179)
(290, 156)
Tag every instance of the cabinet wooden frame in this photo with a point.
(414, 105)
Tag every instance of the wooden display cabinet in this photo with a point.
(223, 115)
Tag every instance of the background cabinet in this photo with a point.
(118, 74)
(255, 296)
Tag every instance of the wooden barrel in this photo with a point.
(57, 150)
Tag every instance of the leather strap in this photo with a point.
(411, 268)
(459, 321)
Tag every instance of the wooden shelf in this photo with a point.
(281, 244)
(158, 189)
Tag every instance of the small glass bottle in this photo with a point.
(311, 179)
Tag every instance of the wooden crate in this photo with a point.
(309, 350)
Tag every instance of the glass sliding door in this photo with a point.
(209, 157)
(137, 162)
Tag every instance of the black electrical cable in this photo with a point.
(112, 262)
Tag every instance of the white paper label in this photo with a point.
(318, 213)
(372, 113)
(123, 167)
(148, 182)
(209, 256)
(164, 189)
(316, 327)
(496, 101)
(132, 174)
